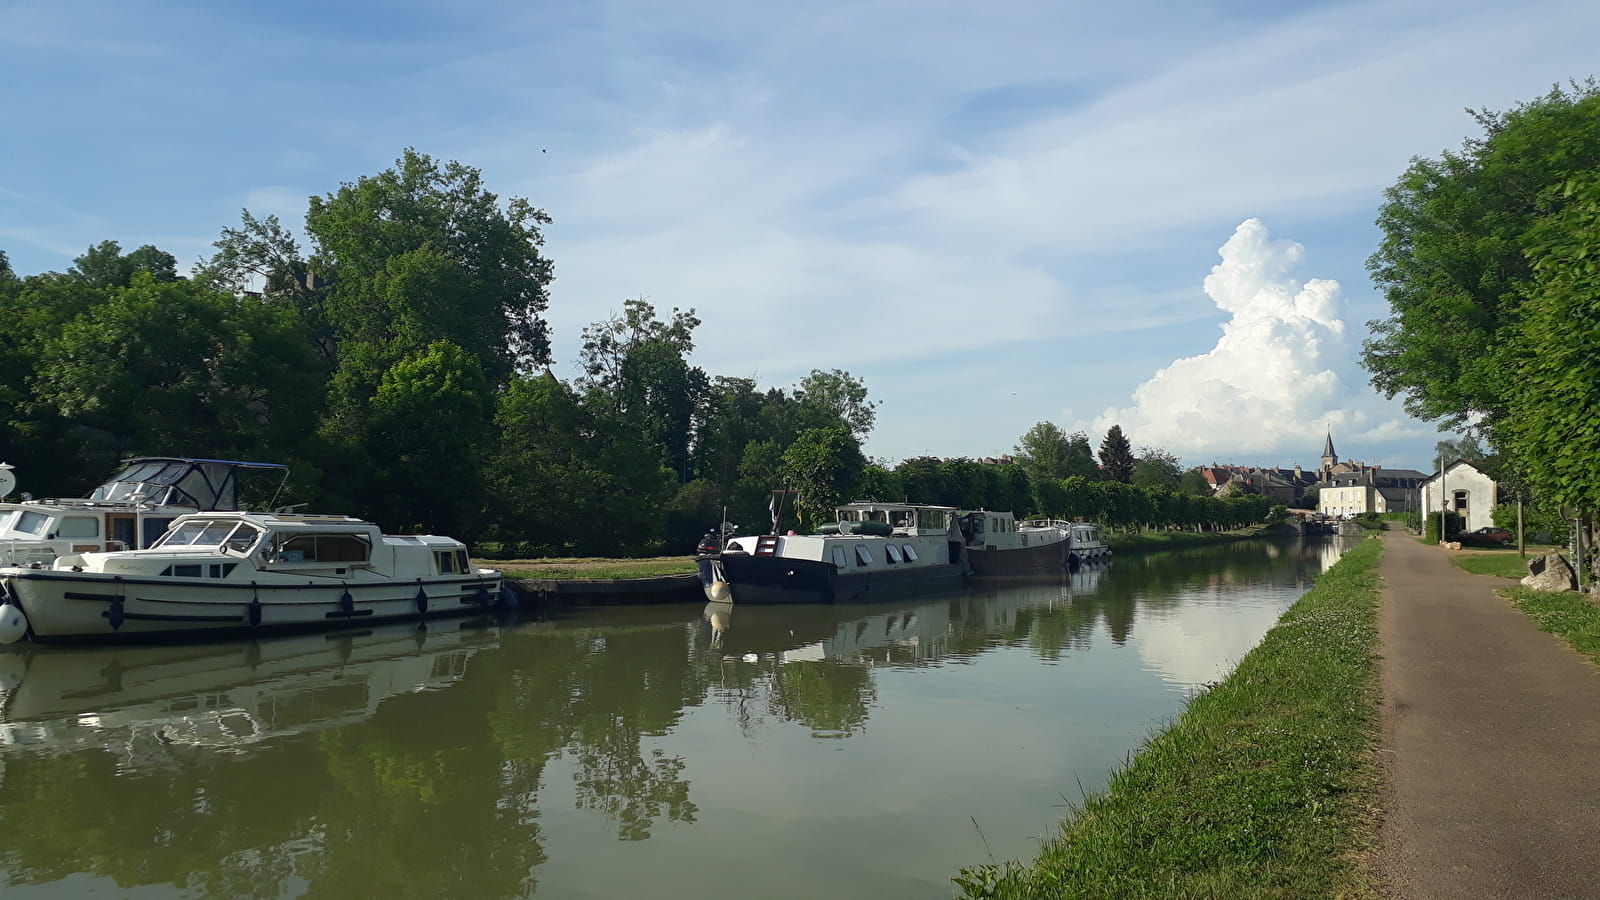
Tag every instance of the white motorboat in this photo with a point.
(244, 572)
(128, 512)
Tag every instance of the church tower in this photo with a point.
(1329, 458)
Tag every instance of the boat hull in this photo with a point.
(1011, 561)
(775, 579)
(68, 607)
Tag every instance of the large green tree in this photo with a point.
(1047, 452)
(1156, 467)
(822, 466)
(1453, 264)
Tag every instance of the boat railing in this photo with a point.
(1045, 523)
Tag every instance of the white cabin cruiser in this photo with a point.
(128, 512)
(244, 572)
(874, 551)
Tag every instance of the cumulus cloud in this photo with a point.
(1283, 370)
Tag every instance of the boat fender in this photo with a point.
(114, 614)
(422, 601)
(255, 612)
(347, 604)
(509, 598)
(483, 594)
(13, 623)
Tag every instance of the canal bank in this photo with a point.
(1265, 785)
(1145, 541)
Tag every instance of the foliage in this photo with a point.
(1278, 515)
(822, 466)
(828, 398)
(1452, 263)
(1569, 615)
(1116, 456)
(1452, 526)
(1542, 521)
(1553, 433)
(1157, 468)
(1046, 452)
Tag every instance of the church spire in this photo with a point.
(1329, 458)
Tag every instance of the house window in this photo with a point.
(1461, 502)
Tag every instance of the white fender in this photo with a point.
(13, 624)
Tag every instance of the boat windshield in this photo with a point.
(236, 536)
(30, 522)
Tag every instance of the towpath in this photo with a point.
(1491, 741)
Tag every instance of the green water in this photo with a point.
(668, 751)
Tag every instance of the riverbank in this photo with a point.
(1168, 540)
(1266, 785)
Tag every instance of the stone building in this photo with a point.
(1353, 487)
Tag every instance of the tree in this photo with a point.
(1552, 434)
(835, 396)
(1192, 482)
(822, 466)
(1452, 263)
(1047, 452)
(105, 266)
(423, 251)
(165, 367)
(1116, 456)
(1157, 468)
(636, 366)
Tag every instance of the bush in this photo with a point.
(1452, 526)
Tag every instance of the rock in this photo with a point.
(1550, 572)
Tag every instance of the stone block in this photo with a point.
(1550, 572)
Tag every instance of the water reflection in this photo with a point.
(455, 761)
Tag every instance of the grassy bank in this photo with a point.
(593, 568)
(1571, 616)
(1265, 786)
(1167, 540)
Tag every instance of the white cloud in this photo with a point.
(1282, 370)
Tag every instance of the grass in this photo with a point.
(1122, 542)
(1571, 616)
(1265, 786)
(592, 568)
(1504, 563)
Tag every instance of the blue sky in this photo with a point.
(996, 214)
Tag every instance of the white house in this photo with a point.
(1463, 488)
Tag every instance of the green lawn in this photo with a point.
(1504, 563)
(1265, 786)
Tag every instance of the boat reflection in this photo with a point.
(143, 703)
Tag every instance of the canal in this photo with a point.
(664, 751)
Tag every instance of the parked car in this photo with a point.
(1487, 536)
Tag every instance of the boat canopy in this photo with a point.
(209, 484)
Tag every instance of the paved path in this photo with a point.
(1491, 741)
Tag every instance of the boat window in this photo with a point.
(863, 557)
(935, 519)
(31, 522)
(849, 515)
(187, 571)
(325, 548)
(243, 539)
(840, 558)
(445, 562)
(874, 515)
(911, 555)
(154, 529)
(892, 552)
(78, 526)
(183, 535)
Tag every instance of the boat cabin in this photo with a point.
(130, 511)
(864, 517)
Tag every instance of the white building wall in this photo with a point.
(1337, 501)
(1462, 478)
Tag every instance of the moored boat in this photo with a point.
(1086, 544)
(218, 573)
(998, 545)
(874, 551)
(129, 512)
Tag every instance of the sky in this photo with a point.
(1148, 214)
